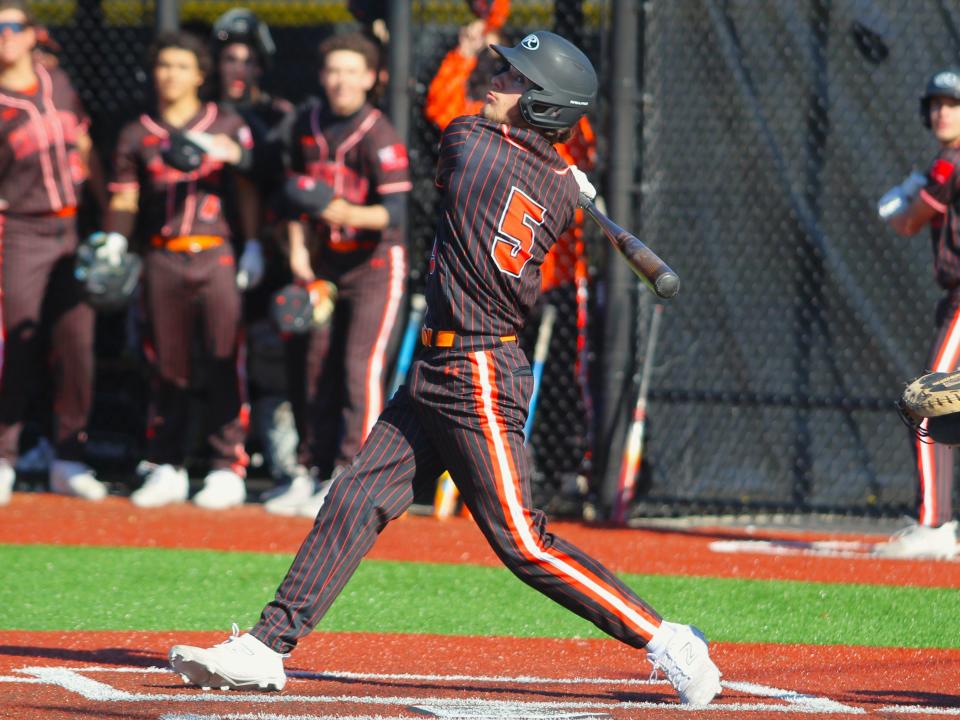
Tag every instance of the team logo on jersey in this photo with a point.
(393, 157)
(531, 42)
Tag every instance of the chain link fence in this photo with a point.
(767, 132)
(767, 142)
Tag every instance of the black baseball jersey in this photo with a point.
(175, 203)
(40, 166)
(508, 197)
(362, 158)
(942, 192)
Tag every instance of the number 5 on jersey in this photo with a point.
(513, 243)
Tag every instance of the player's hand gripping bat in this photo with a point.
(642, 260)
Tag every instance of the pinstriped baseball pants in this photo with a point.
(463, 411)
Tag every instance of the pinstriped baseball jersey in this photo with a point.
(172, 202)
(362, 158)
(508, 197)
(40, 166)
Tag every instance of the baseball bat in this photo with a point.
(633, 448)
(418, 306)
(644, 262)
(544, 335)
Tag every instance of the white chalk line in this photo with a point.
(73, 680)
(815, 548)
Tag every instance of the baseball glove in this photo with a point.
(930, 404)
(108, 283)
(297, 309)
(306, 196)
(182, 153)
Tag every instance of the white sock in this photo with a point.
(658, 643)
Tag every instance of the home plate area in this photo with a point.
(354, 676)
(354, 696)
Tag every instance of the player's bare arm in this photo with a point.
(366, 217)
(917, 216)
(299, 255)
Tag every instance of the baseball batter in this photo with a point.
(931, 199)
(44, 149)
(507, 197)
(184, 216)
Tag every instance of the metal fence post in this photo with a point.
(618, 360)
(168, 15)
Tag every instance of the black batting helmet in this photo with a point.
(565, 83)
(945, 83)
(239, 25)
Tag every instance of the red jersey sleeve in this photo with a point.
(388, 160)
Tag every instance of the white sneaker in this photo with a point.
(685, 660)
(312, 506)
(69, 477)
(287, 499)
(222, 489)
(921, 541)
(7, 477)
(164, 485)
(240, 663)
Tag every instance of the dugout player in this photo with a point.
(243, 52)
(507, 197)
(44, 151)
(922, 200)
(180, 198)
(347, 148)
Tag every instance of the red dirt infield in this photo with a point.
(56, 675)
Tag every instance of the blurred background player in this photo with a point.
(44, 157)
(243, 50)
(174, 181)
(459, 88)
(923, 200)
(351, 160)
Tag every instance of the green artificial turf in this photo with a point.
(92, 588)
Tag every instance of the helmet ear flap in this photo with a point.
(925, 111)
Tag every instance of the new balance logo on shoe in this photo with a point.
(685, 660)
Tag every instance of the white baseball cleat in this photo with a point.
(7, 477)
(68, 477)
(164, 485)
(312, 506)
(287, 499)
(921, 541)
(222, 489)
(685, 660)
(241, 662)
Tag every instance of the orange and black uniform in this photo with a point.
(565, 271)
(189, 276)
(362, 158)
(41, 173)
(508, 196)
(934, 460)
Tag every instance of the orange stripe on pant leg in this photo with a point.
(944, 361)
(518, 517)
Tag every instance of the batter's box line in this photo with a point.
(73, 680)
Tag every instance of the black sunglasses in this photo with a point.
(14, 27)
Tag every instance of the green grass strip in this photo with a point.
(93, 588)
